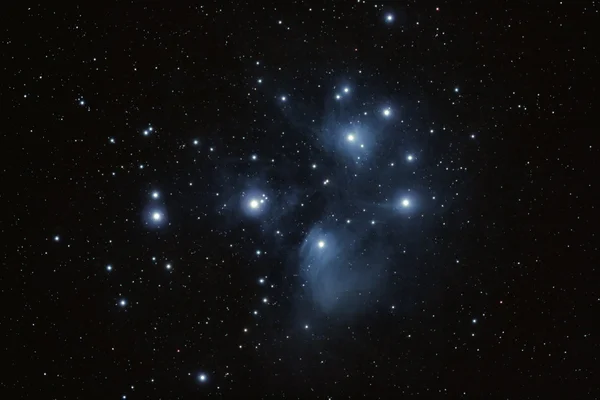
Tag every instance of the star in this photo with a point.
(156, 216)
(387, 112)
(474, 321)
(155, 195)
(321, 244)
(261, 281)
(112, 140)
(389, 18)
(456, 90)
(168, 266)
(405, 203)
(254, 204)
(337, 97)
(195, 142)
(346, 90)
(202, 378)
(410, 157)
(123, 302)
(56, 238)
(283, 98)
(109, 267)
(350, 138)
(254, 157)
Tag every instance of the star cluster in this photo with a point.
(315, 201)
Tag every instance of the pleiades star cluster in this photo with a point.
(299, 200)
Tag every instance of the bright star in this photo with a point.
(474, 321)
(456, 90)
(156, 216)
(168, 266)
(195, 142)
(56, 238)
(202, 378)
(112, 140)
(283, 98)
(123, 302)
(346, 90)
(350, 138)
(254, 204)
(387, 112)
(258, 252)
(155, 195)
(410, 157)
(254, 157)
(109, 267)
(261, 280)
(337, 97)
(405, 203)
(321, 244)
(389, 18)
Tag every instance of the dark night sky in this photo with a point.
(292, 200)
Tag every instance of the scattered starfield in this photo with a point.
(332, 201)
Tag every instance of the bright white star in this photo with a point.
(321, 244)
(410, 157)
(56, 238)
(387, 112)
(350, 138)
(202, 378)
(155, 195)
(123, 302)
(405, 203)
(156, 216)
(109, 267)
(389, 18)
